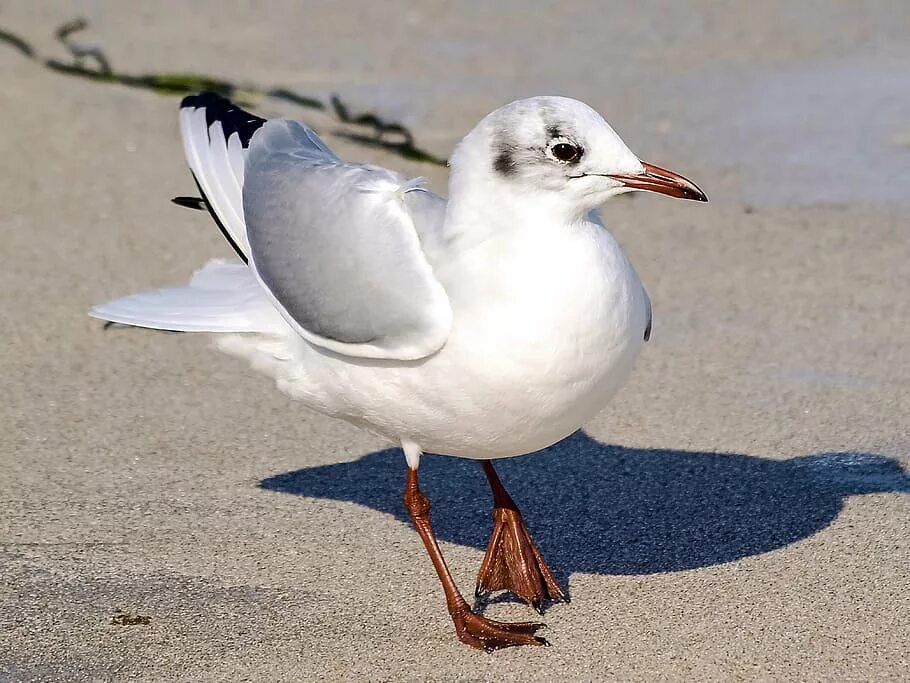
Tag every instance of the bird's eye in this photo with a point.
(566, 152)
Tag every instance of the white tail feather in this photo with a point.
(221, 297)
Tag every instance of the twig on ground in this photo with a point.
(402, 142)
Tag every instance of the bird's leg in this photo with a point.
(472, 629)
(513, 562)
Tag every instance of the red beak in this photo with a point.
(662, 181)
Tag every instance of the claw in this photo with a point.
(487, 634)
(514, 563)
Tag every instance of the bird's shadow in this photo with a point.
(598, 508)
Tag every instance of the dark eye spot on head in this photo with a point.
(504, 162)
(504, 156)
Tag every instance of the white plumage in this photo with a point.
(217, 164)
(489, 326)
(221, 297)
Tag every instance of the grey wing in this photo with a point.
(337, 247)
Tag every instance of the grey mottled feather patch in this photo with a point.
(554, 131)
(504, 154)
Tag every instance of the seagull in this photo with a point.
(487, 326)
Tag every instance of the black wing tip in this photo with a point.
(233, 119)
(197, 203)
(204, 99)
(224, 231)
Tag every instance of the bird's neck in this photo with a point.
(482, 206)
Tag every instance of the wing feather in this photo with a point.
(337, 248)
(215, 135)
(237, 157)
(225, 185)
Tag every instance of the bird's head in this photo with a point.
(561, 147)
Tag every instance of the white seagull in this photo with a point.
(487, 326)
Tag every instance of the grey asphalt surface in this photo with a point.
(741, 510)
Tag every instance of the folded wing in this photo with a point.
(337, 247)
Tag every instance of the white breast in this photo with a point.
(545, 332)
